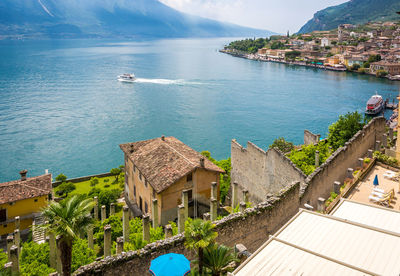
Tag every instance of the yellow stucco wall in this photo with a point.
(21, 208)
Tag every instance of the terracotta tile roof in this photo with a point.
(163, 162)
(23, 189)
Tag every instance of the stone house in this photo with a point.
(23, 198)
(162, 168)
(392, 68)
(325, 42)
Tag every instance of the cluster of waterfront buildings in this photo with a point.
(341, 49)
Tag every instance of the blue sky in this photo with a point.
(277, 15)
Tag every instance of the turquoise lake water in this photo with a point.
(62, 109)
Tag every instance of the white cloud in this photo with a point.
(278, 16)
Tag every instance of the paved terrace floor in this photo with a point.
(363, 189)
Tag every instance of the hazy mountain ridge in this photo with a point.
(108, 18)
(353, 12)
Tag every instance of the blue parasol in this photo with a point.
(376, 182)
(171, 264)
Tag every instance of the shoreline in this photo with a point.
(304, 64)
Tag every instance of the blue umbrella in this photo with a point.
(376, 183)
(170, 265)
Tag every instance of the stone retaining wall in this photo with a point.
(81, 179)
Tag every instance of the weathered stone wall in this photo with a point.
(310, 138)
(320, 182)
(250, 228)
(260, 172)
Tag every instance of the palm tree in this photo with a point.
(217, 258)
(199, 234)
(68, 219)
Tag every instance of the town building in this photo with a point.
(325, 42)
(392, 68)
(24, 198)
(162, 168)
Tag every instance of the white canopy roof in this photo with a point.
(314, 242)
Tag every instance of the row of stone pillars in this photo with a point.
(349, 175)
(103, 214)
(14, 249)
(234, 200)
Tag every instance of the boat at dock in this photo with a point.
(127, 78)
(374, 105)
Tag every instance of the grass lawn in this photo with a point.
(84, 187)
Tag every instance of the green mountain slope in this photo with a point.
(353, 12)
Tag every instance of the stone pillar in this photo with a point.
(96, 208)
(154, 213)
(213, 209)
(369, 153)
(17, 222)
(14, 257)
(360, 162)
(185, 202)
(146, 227)
(120, 245)
(391, 134)
(377, 145)
(234, 195)
(59, 264)
(336, 187)
(242, 206)
(17, 238)
(107, 240)
(10, 242)
(181, 218)
(321, 204)
(112, 209)
(125, 222)
(384, 140)
(103, 213)
(316, 159)
(90, 237)
(214, 190)
(350, 173)
(245, 194)
(206, 216)
(168, 231)
(53, 250)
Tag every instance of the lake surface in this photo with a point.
(62, 109)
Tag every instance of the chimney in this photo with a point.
(163, 138)
(132, 150)
(202, 161)
(46, 171)
(23, 174)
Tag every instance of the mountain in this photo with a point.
(353, 12)
(108, 18)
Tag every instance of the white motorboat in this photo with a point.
(374, 105)
(127, 78)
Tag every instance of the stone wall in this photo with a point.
(310, 138)
(251, 228)
(260, 172)
(320, 182)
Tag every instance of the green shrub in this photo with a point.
(304, 159)
(283, 145)
(65, 188)
(61, 177)
(3, 260)
(385, 159)
(381, 73)
(35, 259)
(362, 70)
(106, 180)
(94, 181)
(107, 185)
(81, 254)
(367, 160)
(355, 67)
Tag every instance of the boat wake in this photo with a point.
(164, 81)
